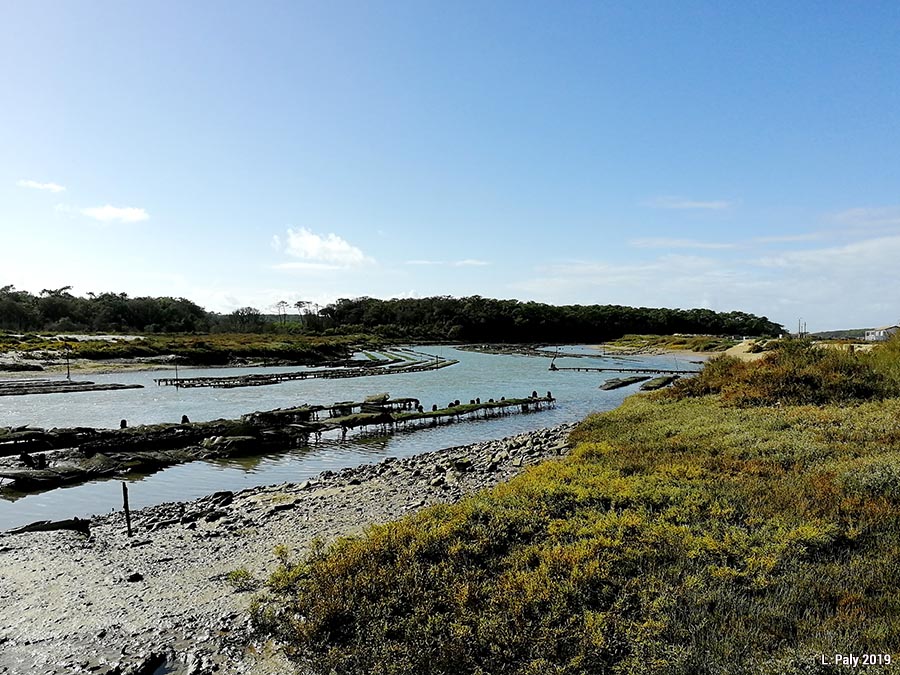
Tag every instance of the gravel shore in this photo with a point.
(160, 602)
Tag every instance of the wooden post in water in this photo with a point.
(125, 504)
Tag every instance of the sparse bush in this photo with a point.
(241, 579)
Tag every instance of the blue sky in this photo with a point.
(684, 154)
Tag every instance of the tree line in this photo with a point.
(59, 310)
(484, 319)
(470, 319)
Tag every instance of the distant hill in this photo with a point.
(841, 334)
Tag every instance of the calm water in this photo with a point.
(477, 375)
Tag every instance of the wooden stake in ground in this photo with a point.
(125, 504)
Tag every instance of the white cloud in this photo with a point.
(831, 287)
(662, 242)
(859, 259)
(869, 217)
(35, 185)
(319, 250)
(468, 262)
(225, 300)
(307, 266)
(404, 295)
(667, 281)
(787, 238)
(121, 214)
(682, 203)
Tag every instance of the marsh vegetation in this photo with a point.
(747, 520)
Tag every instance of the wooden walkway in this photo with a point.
(260, 379)
(152, 447)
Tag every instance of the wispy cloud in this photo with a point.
(317, 251)
(788, 238)
(869, 216)
(831, 286)
(35, 185)
(112, 214)
(663, 242)
(468, 262)
(856, 259)
(668, 281)
(307, 266)
(683, 203)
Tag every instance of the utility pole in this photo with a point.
(68, 371)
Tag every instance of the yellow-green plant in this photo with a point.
(683, 536)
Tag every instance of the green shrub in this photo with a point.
(241, 579)
(798, 372)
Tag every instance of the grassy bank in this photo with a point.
(690, 343)
(208, 349)
(688, 532)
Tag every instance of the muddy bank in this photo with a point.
(110, 605)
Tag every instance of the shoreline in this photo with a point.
(111, 605)
(55, 367)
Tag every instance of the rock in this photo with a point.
(437, 481)
(213, 516)
(146, 665)
(559, 448)
(462, 464)
(222, 498)
(134, 576)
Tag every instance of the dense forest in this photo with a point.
(59, 310)
(484, 319)
(436, 318)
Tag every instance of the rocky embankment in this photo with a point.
(164, 601)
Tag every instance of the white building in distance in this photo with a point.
(881, 334)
